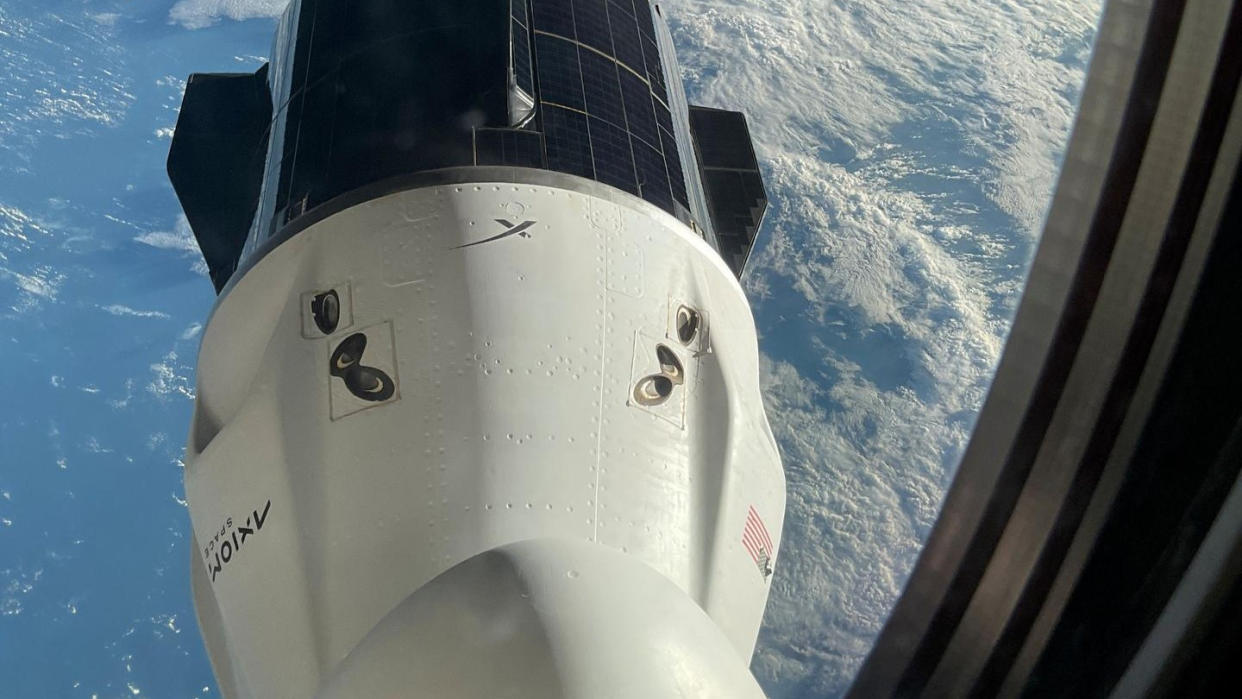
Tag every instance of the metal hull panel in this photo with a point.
(514, 324)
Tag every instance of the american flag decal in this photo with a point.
(757, 542)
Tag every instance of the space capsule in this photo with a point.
(478, 407)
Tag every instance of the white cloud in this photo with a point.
(173, 82)
(170, 378)
(107, 19)
(119, 403)
(192, 331)
(910, 150)
(866, 469)
(16, 584)
(197, 14)
(17, 224)
(119, 310)
(156, 440)
(45, 285)
(93, 446)
(179, 239)
(41, 285)
(63, 78)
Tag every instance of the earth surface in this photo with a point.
(909, 147)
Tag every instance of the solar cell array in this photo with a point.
(362, 91)
(730, 170)
(602, 99)
(508, 147)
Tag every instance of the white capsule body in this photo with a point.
(515, 322)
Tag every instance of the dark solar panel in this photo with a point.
(560, 78)
(664, 119)
(638, 111)
(567, 142)
(489, 147)
(676, 176)
(603, 91)
(293, 115)
(731, 180)
(657, 88)
(646, 23)
(614, 163)
(652, 176)
(722, 138)
(655, 71)
(554, 16)
(518, 10)
(508, 147)
(626, 6)
(216, 162)
(315, 138)
(625, 38)
(733, 216)
(625, 101)
(591, 23)
(521, 58)
(526, 149)
(752, 183)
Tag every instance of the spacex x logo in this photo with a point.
(510, 229)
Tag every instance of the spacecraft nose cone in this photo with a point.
(545, 618)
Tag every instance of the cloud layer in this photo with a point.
(197, 14)
(910, 151)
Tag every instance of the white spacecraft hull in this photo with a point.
(514, 519)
